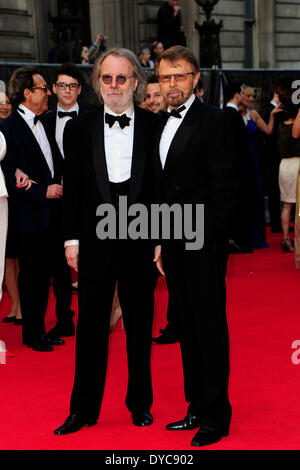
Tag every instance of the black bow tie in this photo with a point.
(123, 120)
(72, 114)
(174, 113)
(37, 118)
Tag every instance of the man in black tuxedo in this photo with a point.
(248, 198)
(170, 30)
(108, 154)
(195, 164)
(67, 87)
(33, 213)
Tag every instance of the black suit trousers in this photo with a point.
(34, 282)
(196, 280)
(136, 275)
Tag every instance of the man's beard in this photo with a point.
(179, 100)
(118, 100)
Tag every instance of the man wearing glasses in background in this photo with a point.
(108, 154)
(33, 212)
(67, 88)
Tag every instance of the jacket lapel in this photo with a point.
(99, 155)
(185, 131)
(138, 156)
(34, 143)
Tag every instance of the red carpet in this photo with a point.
(264, 321)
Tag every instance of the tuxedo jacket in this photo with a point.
(29, 211)
(86, 182)
(201, 168)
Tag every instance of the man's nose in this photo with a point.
(173, 81)
(114, 83)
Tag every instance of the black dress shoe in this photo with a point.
(56, 341)
(186, 424)
(73, 423)
(41, 346)
(207, 435)
(166, 338)
(142, 418)
(9, 319)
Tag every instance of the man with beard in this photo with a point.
(195, 165)
(108, 155)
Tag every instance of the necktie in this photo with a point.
(72, 114)
(175, 113)
(123, 120)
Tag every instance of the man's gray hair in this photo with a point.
(138, 95)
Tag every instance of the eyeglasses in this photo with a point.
(63, 86)
(179, 77)
(120, 79)
(44, 87)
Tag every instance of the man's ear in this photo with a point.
(27, 93)
(196, 78)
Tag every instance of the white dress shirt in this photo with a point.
(232, 105)
(40, 135)
(118, 145)
(170, 130)
(60, 125)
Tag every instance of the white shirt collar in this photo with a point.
(27, 113)
(129, 111)
(232, 105)
(74, 108)
(187, 105)
(274, 104)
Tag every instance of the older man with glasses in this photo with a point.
(108, 155)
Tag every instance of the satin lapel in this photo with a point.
(27, 131)
(138, 155)
(180, 141)
(99, 156)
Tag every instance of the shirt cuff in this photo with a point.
(71, 243)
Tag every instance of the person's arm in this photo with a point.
(266, 128)
(71, 195)
(296, 127)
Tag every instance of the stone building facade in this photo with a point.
(255, 33)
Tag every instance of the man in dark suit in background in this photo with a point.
(108, 155)
(67, 87)
(170, 31)
(34, 213)
(248, 198)
(195, 164)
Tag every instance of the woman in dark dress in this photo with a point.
(254, 122)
